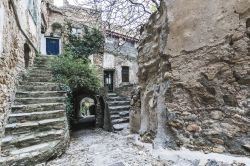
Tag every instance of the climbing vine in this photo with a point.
(74, 69)
(88, 41)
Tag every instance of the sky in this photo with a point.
(59, 3)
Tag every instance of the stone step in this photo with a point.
(115, 116)
(14, 142)
(119, 108)
(40, 71)
(30, 155)
(115, 103)
(24, 94)
(112, 95)
(34, 126)
(39, 83)
(43, 62)
(121, 126)
(124, 114)
(40, 79)
(35, 116)
(44, 58)
(31, 74)
(49, 87)
(118, 98)
(37, 107)
(121, 120)
(22, 101)
(43, 66)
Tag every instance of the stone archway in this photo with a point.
(26, 55)
(79, 99)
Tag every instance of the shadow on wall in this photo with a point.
(26, 55)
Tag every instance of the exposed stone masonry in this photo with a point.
(37, 128)
(201, 56)
(118, 110)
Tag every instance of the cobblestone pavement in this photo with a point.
(100, 148)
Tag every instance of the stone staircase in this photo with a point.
(37, 127)
(119, 111)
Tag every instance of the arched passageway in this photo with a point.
(87, 107)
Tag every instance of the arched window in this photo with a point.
(26, 55)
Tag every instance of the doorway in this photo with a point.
(109, 80)
(52, 46)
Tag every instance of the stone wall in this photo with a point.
(75, 16)
(194, 73)
(12, 41)
(125, 90)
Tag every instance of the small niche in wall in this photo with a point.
(248, 27)
(26, 55)
(125, 74)
(248, 23)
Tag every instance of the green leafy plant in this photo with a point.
(90, 43)
(77, 73)
(69, 105)
(56, 25)
(74, 70)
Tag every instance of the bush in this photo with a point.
(56, 25)
(90, 43)
(74, 70)
(77, 73)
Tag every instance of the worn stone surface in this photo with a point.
(100, 148)
(12, 60)
(203, 52)
(119, 111)
(35, 133)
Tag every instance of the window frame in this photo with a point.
(33, 10)
(125, 73)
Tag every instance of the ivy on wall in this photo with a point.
(74, 69)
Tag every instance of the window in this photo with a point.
(33, 10)
(77, 32)
(125, 74)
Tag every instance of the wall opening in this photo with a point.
(87, 107)
(125, 74)
(26, 55)
(248, 23)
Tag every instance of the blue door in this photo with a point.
(52, 46)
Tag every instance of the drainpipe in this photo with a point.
(19, 25)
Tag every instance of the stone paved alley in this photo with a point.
(100, 148)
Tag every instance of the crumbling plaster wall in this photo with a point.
(197, 52)
(120, 52)
(12, 51)
(115, 62)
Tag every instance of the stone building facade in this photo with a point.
(20, 34)
(119, 62)
(194, 76)
(59, 19)
(119, 59)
